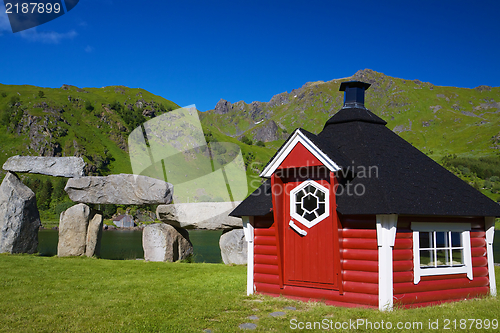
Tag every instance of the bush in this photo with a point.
(4, 94)
(88, 106)
(246, 140)
(61, 207)
(41, 94)
(260, 144)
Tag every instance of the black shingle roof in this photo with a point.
(259, 203)
(403, 180)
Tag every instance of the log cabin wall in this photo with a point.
(437, 288)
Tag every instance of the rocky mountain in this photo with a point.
(437, 120)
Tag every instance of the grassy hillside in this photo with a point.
(457, 127)
(93, 123)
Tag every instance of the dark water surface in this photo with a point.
(127, 244)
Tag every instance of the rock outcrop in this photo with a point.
(79, 231)
(19, 217)
(222, 107)
(268, 132)
(200, 215)
(162, 242)
(233, 247)
(122, 189)
(52, 166)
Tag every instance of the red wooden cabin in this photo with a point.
(356, 216)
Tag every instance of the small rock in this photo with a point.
(290, 308)
(248, 326)
(277, 314)
(253, 317)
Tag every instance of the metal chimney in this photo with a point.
(354, 94)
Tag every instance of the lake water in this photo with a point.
(127, 244)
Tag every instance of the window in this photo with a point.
(309, 203)
(441, 248)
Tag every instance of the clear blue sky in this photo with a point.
(196, 52)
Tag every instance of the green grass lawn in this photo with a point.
(50, 294)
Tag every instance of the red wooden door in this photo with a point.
(309, 235)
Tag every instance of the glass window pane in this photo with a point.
(298, 209)
(424, 239)
(457, 257)
(310, 189)
(309, 217)
(456, 239)
(442, 258)
(440, 239)
(426, 258)
(309, 202)
(321, 196)
(321, 209)
(298, 196)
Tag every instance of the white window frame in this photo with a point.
(319, 218)
(463, 228)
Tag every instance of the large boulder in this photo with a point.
(200, 215)
(233, 247)
(162, 242)
(52, 166)
(122, 189)
(19, 217)
(79, 231)
(94, 234)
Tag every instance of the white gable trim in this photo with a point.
(297, 137)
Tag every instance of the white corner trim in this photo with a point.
(249, 236)
(386, 237)
(297, 137)
(490, 233)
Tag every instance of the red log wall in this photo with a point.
(359, 265)
(438, 288)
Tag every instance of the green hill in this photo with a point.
(457, 127)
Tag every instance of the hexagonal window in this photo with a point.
(309, 203)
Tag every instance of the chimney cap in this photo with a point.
(354, 84)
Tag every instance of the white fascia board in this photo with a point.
(297, 137)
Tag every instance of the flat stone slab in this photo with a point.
(69, 167)
(200, 215)
(122, 189)
(290, 308)
(253, 317)
(248, 326)
(277, 314)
